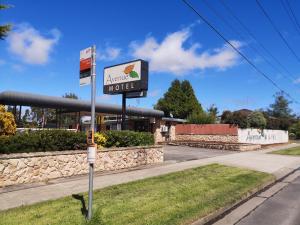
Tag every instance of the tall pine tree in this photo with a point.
(280, 108)
(180, 100)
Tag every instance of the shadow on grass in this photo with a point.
(97, 217)
(83, 207)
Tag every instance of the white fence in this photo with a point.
(257, 136)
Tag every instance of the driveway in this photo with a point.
(185, 153)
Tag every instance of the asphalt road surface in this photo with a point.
(184, 153)
(281, 209)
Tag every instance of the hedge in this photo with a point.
(127, 138)
(40, 141)
(60, 140)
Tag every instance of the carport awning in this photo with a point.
(43, 101)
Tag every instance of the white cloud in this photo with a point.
(297, 81)
(27, 43)
(171, 56)
(109, 54)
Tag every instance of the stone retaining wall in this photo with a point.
(42, 166)
(207, 138)
(221, 146)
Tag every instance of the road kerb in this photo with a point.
(219, 215)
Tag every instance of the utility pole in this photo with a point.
(92, 146)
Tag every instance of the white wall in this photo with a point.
(257, 136)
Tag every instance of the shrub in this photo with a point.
(292, 136)
(127, 138)
(256, 120)
(226, 117)
(278, 123)
(237, 118)
(240, 118)
(60, 140)
(100, 139)
(201, 118)
(46, 140)
(7, 122)
(295, 129)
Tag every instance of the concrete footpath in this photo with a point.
(256, 160)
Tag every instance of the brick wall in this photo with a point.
(206, 129)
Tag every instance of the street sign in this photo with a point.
(85, 66)
(126, 77)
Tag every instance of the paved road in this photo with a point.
(281, 209)
(184, 153)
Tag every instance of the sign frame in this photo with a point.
(130, 86)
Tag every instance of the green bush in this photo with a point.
(60, 140)
(46, 140)
(256, 120)
(237, 118)
(201, 118)
(127, 138)
(295, 129)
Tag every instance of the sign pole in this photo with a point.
(123, 124)
(92, 129)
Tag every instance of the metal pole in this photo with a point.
(123, 123)
(93, 98)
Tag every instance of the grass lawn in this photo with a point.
(176, 198)
(290, 151)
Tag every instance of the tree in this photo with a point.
(226, 117)
(280, 108)
(179, 100)
(256, 120)
(213, 112)
(70, 95)
(4, 29)
(237, 118)
(240, 118)
(201, 118)
(190, 99)
(7, 122)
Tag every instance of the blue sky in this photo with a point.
(41, 55)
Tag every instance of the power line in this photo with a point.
(293, 15)
(255, 39)
(238, 51)
(277, 30)
(289, 15)
(241, 36)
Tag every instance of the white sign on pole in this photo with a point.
(85, 66)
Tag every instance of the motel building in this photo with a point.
(108, 116)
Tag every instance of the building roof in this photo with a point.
(169, 119)
(43, 101)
